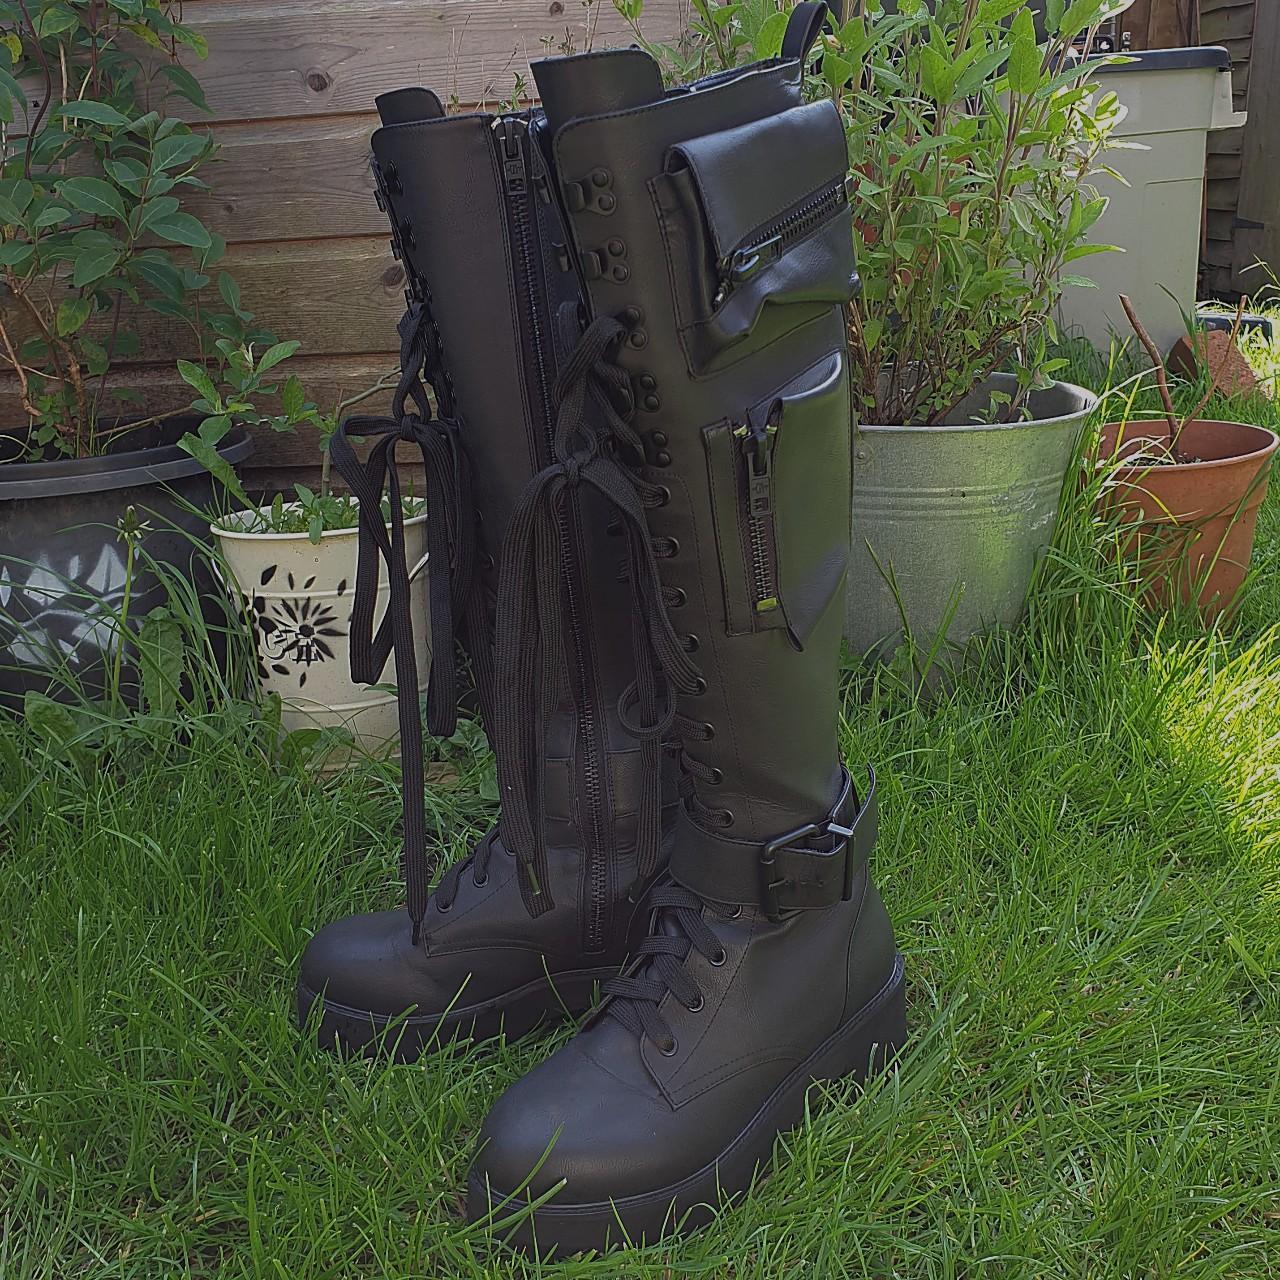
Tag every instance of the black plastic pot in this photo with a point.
(62, 559)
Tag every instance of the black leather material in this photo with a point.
(468, 198)
(771, 961)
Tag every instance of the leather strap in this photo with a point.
(805, 26)
(812, 867)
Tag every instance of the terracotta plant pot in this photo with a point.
(1192, 523)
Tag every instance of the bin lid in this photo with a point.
(1191, 59)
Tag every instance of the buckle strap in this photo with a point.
(812, 867)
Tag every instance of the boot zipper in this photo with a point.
(511, 136)
(770, 242)
(755, 441)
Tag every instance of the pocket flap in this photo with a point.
(803, 151)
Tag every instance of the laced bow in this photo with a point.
(531, 639)
(449, 573)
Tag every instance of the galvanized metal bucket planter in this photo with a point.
(949, 520)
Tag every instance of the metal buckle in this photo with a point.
(769, 885)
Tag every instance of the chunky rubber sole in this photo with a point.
(861, 1048)
(404, 1037)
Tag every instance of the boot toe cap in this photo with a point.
(362, 963)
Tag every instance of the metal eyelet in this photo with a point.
(699, 687)
(664, 495)
(736, 912)
(691, 643)
(673, 548)
(726, 818)
(697, 1008)
(442, 909)
(680, 599)
(480, 884)
(670, 1051)
(719, 958)
(717, 777)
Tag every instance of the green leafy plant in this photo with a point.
(232, 389)
(975, 143)
(92, 174)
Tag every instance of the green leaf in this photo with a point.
(10, 95)
(155, 210)
(836, 71)
(95, 259)
(292, 397)
(56, 20)
(161, 657)
(18, 192)
(95, 112)
(769, 37)
(182, 228)
(127, 173)
(215, 464)
(1088, 250)
(96, 356)
(185, 85)
(93, 195)
(273, 355)
(229, 290)
(53, 215)
(194, 376)
(54, 723)
(72, 313)
(16, 255)
(177, 150)
(1024, 54)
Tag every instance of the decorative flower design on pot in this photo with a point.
(293, 632)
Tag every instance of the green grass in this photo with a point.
(1081, 848)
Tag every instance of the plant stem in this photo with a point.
(1162, 382)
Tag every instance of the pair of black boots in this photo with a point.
(629, 307)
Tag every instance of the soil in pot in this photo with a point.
(1191, 523)
(63, 562)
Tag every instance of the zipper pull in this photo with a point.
(756, 442)
(509, 134)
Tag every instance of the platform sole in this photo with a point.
(861, 1048)
(404, 1037)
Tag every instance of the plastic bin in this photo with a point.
(1173, 97)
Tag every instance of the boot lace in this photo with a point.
(450, 571)
(594, 396)
(659, 965)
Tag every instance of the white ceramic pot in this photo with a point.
(299, 595)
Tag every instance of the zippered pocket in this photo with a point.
(779, 476)
(758, 232)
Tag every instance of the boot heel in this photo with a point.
(868, 1044)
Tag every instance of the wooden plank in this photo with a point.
(1223, 193)
(1220, 225)
(1260, 181)
(1222, 165)
(271, 59)
(1228, 24)
(1208, 7)
(292, 179)
(1226, 142)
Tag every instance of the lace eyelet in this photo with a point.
(697, 1008)
(672, 548)
(664, 496)
(726, 818)
(679, 599)
(480, 884)
(442, 908)
(669, 1051)
(690, 643)
(717, 777)
(736, 912)
(719, 958)
(708, 731)
(700, 687)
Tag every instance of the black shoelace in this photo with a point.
(449, 573)
(531, 642)
(659, 965)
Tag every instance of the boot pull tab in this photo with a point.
(805, 26)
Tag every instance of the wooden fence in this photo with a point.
(291, 84)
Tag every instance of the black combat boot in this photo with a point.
(546, 904)
(712, 229)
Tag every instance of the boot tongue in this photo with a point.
(593, 84)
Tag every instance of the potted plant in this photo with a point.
(292, 561)
(1186, 497)
(91, 178)
(973, 140)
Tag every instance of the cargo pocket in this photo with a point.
(758, 231)
(780, 493)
